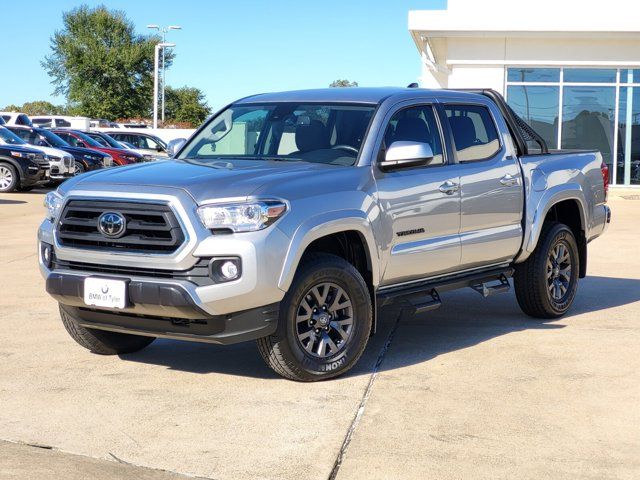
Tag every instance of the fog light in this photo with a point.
(225, 269)
(229, 270)
(45, 250)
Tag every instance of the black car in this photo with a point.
(22, 168)
(86, 159)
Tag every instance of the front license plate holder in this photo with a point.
(106, 292)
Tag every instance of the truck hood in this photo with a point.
(222, 179)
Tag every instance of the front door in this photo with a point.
(421, 204)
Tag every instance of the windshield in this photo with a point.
(106, 140)
(53, 139)
(10, 138)
(88, 141)
(321, 133)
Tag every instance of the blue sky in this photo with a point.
(235, 48)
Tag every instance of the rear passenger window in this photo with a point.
(474, 132)
(416, 124)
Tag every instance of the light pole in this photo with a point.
(156, 51)
(164, 34)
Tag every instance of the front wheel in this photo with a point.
(325, 322)
(9, 180)
(547, 282)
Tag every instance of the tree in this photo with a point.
(42, 107)
(12, 108)
(343, 83)
(186, 104)
(100, 64)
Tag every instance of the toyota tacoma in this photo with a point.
(292, 218)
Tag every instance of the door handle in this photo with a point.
(509, 180)
(449, 187)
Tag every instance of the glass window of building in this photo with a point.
(576, 108)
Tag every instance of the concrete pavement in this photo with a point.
(473, 390)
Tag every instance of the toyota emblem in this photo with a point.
(112, 225)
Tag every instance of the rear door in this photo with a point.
(420, 204)
(491, 191)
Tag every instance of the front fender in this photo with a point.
(538, 207)
(326, 224)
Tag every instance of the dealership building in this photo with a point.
(571, 69)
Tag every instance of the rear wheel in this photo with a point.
(325, 321)
(100, 341)
(547, 282)
(9, 179)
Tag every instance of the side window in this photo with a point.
(68, 138)
(416, 124)
(474, 132)
(62, 123)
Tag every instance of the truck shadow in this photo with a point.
(464, 320)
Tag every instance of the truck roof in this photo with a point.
(368, 95)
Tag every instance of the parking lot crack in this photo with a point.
(363, 401)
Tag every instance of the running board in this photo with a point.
(488, 290)
(425, 293)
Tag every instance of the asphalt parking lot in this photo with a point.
(472, 390)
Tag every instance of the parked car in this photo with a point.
(15, 118)
(85, 159)
(22, 168)
(61, 121)
(149, 145)
(290, 218)
(108, 141)
(76, 138)
(61, 164)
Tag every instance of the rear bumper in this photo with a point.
(163, 309)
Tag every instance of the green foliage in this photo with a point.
(12, 108)
(101, 65)
(42, 107)
(185, 105)
(343, 83)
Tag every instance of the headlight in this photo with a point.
(53, 203)
(241, 217)
(90, 157)
(19, 155)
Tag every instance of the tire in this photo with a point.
(9, 178)
(310, 346)
(100, 341)
(80, 168)
(544, 287)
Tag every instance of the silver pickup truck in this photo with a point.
(292, 218)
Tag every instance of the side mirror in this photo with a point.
(175, 145)
(42, 143)
(406, 154)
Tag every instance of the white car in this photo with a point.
(61, 164)
(16, 118)
(61, 121)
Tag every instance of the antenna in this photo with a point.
(413, 85)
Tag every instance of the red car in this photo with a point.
(121, 156)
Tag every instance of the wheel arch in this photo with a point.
(349, 237)
(567, 206)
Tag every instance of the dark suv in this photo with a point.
(22, 168)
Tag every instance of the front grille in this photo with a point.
(107, 162)
(68, 161)
(198, 274)
(151, 228)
